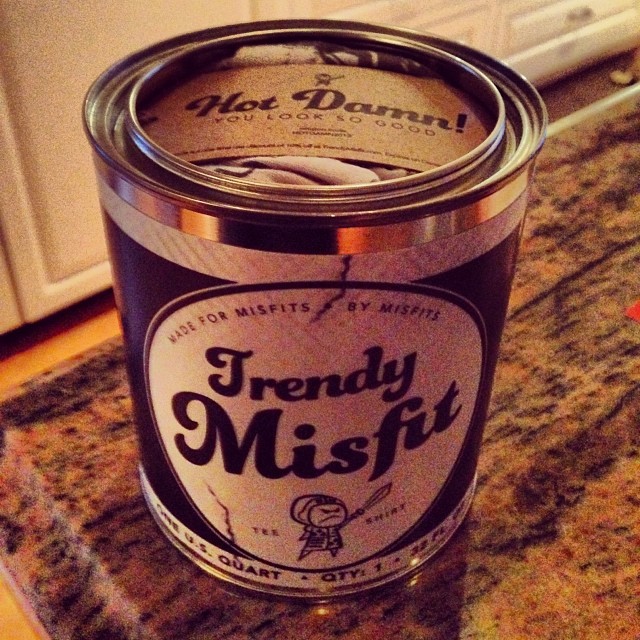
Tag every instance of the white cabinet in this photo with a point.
(50, 226)
(542, 39)
(466, 21)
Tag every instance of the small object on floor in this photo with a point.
(633, 311)
(630, 75)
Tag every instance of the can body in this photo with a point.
(310, 364)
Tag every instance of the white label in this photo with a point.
(312, 425)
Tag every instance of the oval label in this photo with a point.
(312, 425)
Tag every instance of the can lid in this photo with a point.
(314, 113)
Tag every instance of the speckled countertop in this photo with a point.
(551, 548)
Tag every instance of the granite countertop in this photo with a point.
(550, 549)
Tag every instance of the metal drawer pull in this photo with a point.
(581, 14)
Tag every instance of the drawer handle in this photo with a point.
(581, 14)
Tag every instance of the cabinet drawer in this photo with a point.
(276, 9)
(552, 59)
(530, 28)
(468, 26)
(317, 8)
(463, 22)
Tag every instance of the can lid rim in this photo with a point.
(469, 77)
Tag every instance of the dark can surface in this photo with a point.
(313, 227)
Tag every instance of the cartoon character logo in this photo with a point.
(325, 79)
(324, 516)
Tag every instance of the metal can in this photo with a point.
(313, 228)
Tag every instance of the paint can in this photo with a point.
(313, 227)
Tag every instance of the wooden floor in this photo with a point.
(31, 350)
(26, 352)
(16, 622)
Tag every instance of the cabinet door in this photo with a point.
(50, 54)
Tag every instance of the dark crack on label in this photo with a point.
(346, 264)
(227, 515)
